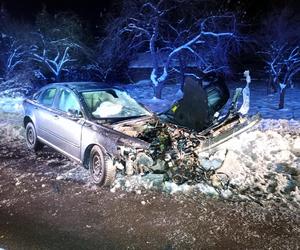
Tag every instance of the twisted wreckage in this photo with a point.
(174, 141)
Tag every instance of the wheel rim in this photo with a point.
(97, 167)
(30, 136)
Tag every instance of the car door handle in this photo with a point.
(56, 116)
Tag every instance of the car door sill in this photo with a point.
(59, 150)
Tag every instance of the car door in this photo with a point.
(68, 123)
(44, 114)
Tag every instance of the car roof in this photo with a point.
(84, 86)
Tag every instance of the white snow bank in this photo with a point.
(10, 131)
(264, 164)
(11, 105)
(11, 111)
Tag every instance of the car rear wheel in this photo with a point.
(31, 138)
(102, 170)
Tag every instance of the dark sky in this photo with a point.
(87, 9)
(93, 10)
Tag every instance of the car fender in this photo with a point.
(28, 107)
(108, 139)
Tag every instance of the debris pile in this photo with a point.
(174, 152)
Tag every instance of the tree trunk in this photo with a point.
(272, 85)
(158, 90)
(182, 73)
(281, 98)
(269, 87)
(57, 78)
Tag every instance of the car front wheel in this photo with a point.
(31, 138)
(102, 170)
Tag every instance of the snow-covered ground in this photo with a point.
(266, 105)
(11, 105)
(262, 164)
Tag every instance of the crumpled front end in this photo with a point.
(181, 154)
(182, 143)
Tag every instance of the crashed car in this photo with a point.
(106, 130)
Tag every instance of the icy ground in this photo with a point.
(260, 165)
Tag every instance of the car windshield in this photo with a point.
(112, 103)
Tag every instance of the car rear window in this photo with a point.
(47, 97)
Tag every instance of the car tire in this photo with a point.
(31, 138)
(102, 170)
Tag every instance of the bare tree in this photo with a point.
(54, 55)
(290, 66)
(56, 45)
(280, 42)
(115, 50)
(203, 39)
(13, 47)
(13, 54)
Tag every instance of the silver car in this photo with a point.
(76, 119)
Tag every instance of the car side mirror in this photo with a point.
(74, 113)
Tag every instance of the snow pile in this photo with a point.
(137, 183)
(263, 165)
(11, 105)
(280, 125)
(77, 173)
(11, 132)
(11, 116)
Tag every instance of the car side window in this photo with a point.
(47, 97)
(68, 102)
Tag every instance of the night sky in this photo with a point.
(88, 10)
(95, 10)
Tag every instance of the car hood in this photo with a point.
(134, 127)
